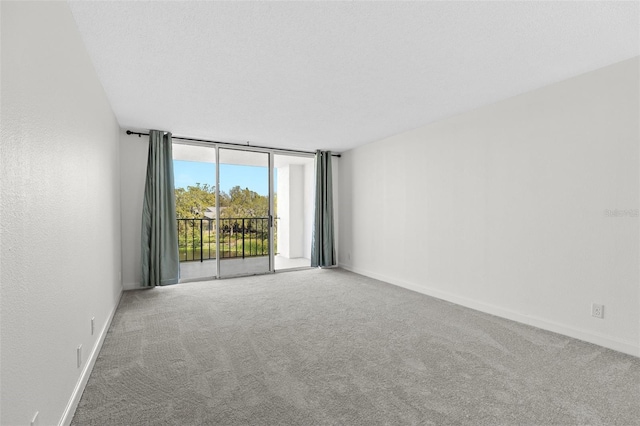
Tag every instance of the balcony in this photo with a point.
(240, 237)
(244, 247)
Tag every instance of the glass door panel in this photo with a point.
(194, 170)
(293, 211)
(244, 225)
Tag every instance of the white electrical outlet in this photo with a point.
(34, 420)
(79, 355)
(597, 310)
(93, 325)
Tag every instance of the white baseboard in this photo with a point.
(70, 410)
(623, 346)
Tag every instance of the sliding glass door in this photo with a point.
(195, 169)
(241, 212)
(244, 207)
(294, 213)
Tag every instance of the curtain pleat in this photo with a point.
(160, 261)
(322, 248)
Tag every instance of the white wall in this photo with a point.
(295, 178)
(291, 189)
(283, 211)
(133, 172)
(503, 208)
(296, 210)
(60, 224)
(309, 212)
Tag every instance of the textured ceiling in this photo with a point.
(335, 75)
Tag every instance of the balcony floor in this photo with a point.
(232, 267)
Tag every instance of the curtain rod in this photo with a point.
(129, 132)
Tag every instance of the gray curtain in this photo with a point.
(322, 248)
(160, 262)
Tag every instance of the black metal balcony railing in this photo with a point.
(239, 237)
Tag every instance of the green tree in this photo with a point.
(193, 201)
(243, 203)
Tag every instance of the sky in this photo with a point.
(188, 173)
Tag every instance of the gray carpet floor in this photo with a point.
(329, 347)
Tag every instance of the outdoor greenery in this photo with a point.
(244, 223)
(193, 201)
